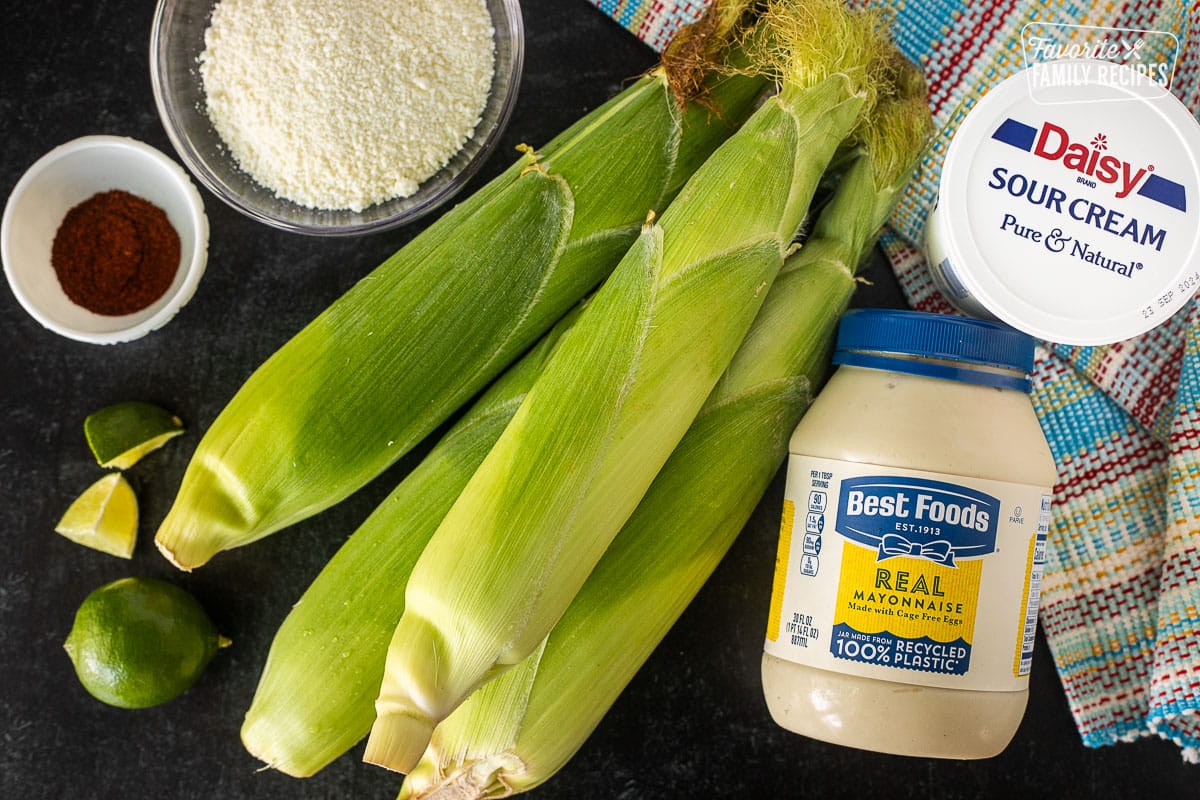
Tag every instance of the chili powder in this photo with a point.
(115, 253)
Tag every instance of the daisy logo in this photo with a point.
(1054, 143)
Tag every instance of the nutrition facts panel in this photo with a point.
(1033, 588)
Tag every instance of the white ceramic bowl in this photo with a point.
(65, 177)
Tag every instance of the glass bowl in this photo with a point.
(176, 42)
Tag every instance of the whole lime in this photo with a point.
(138, 642)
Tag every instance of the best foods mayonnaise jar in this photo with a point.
(917, 505)
(1067, 205)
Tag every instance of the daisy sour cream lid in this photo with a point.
(1068, 204)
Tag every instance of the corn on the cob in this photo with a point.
(316, 696)
(618, 395)
(399, 352)
(518, 730)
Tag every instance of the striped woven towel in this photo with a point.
(1121, 595)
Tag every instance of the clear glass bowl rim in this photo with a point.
(165, 104)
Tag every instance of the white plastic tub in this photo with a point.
(1068, 205)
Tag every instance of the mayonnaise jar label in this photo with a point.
(909, 576)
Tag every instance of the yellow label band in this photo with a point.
(910, 597)
(782, 557)
(919, 614)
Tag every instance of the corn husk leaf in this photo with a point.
(615, 399)
(520, 729)
(316, 696)
(429, 328)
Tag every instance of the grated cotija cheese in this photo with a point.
(340, 104)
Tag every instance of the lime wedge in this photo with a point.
(104, 517)
(138, 642)
(121, 434)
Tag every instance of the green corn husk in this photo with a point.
(316, 696)
(411, 342)
(621, 391)
(518, 730)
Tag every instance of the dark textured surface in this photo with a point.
(691, 724)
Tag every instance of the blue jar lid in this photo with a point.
(872, 337)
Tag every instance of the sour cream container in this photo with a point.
(1067, 206)
(917, 504)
